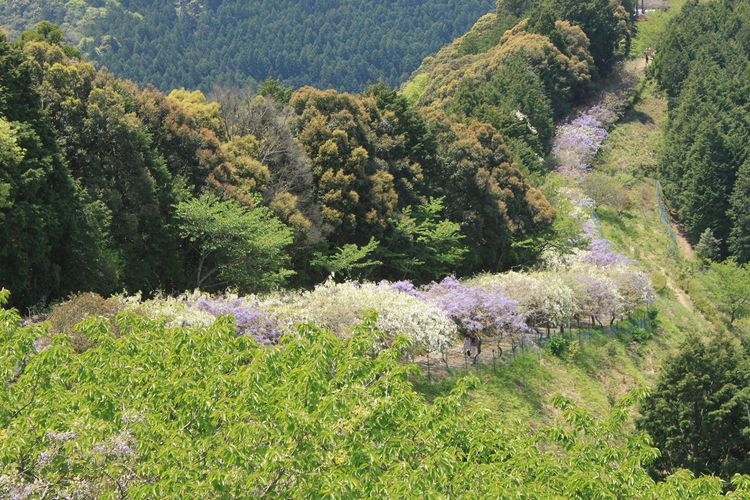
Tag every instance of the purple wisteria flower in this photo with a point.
(603, 298)
(249, 317)
(45, 458)
(476, 310)
(41, 344)
(60, 437)
(635, 288)
(590, 230)
(403, 286)
(576, 143)
(120, 446)
(602, 114)
(600, 254)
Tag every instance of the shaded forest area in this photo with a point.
(702, 64)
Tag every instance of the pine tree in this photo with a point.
(709, 246)
(697, 413)
(739, 213)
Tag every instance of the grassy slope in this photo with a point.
(606, 368)
(649, 31)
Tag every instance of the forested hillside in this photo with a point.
(466, 287)
(523, 67)
(177, 192)
(381, 185)
(208, 43)
(703, 65)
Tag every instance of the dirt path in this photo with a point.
(683, 244)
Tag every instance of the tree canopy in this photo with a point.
(702, 64)
(324, 43)
(172, 173)
(697, 413)
(159, 411)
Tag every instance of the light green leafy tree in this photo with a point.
(350, 260)
(174, 412)
(422, 244)
(235, 246)
(730, 286)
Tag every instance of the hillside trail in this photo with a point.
(615, 93)
(618, 92)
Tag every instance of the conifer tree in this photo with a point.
(697, 413)
(739, 213)
(709, 246)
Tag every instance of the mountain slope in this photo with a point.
(201, 43)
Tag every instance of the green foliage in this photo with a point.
(235, 246)
(513, 101)
(361, 165)
(739, 213)
(175, 412)
(697, 413)
(276, 91)
(607, 191)
(349, 260)
(339, 169)
(488, 196)
(422, 245)
(559, 346)
(708, 247)
(49, 227)
(702, 63)
(44, 31)
(564, 67)
(730, 287)
(414, 89)
(601, 21)
(606, 23)
(652, 30)
(485, 34)
(326, 43)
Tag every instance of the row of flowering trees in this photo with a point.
(596, 285)
(432, 316)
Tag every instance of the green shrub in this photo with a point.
(559, 346)
(658, 281)
(174, 412)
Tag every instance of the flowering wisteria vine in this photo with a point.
(249, 317)
(577, 143)
(476, 310)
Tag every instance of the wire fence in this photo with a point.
(498, 351)
(666, 220)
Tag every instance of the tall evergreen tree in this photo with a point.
(52, 236)
(739, 213)
(697, 414)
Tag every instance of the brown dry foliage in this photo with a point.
(64, 317)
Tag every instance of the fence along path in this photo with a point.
(615, 95)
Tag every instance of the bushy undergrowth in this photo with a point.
(168, 412)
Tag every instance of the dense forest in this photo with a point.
(168, 192)
(703, 65)
(324, 43)
(153, 192)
